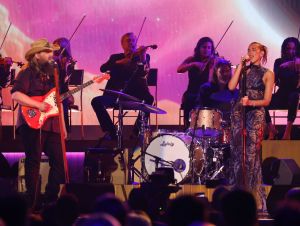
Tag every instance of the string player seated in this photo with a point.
(287, 76)
(128, 74)
(65, 62)
(199, 67)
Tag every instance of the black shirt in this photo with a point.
(31, 83)
(131, 75)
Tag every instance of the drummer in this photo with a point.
(128, 71)
(215, 94)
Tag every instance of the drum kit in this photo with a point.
(196, 155)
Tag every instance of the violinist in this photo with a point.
(287, 75)
(5, 64)
(65, 62)
(128, 71)
(200, 70)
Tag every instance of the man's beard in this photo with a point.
(46, 67)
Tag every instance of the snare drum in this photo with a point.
(208, 122)
(173, 152)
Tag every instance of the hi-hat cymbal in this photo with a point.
(142, 107)
(120, 94)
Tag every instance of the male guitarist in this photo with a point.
(36, 80)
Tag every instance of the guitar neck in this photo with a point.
(70, 92)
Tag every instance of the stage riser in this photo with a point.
(282, 149)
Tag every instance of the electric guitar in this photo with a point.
(36, 118)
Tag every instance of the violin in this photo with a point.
(8, 61)
(65, 61)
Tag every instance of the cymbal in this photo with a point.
(120, 94)
(142, 107)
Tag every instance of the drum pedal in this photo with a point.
(217, 173)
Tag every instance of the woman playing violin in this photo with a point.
(287, 74)
(200, 70)
(65, 62)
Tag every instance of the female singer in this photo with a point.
(258, 93)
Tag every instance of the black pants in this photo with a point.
(49, 144)
(101, 103)
(284, 100)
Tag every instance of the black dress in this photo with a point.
(255, 123)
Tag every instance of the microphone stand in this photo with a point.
(158, 160)
(244, 129)
(192, 145)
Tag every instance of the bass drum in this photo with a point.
(172, 151)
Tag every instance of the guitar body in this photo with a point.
(34, 117)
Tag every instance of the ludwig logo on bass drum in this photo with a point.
(164, 144)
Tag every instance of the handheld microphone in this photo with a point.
(246, 58)
(152, 46)
(52, 62)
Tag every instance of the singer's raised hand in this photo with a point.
(245, 59)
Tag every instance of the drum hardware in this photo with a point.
(158, 160)
(216, 173)
(127, 101)
(133, 170)
(120, 96)
(205, 143)
(191, 150)
(205, 125)
(143, 139)
(178, 165)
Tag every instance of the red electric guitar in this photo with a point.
(36, 119)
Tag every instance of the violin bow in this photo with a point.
(5, 35)
(63, 50)
(140, 31)
(224, 35)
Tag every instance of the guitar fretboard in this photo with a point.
(70, 92)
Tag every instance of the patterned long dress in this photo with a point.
(255, 123)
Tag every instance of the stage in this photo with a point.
(78, 147)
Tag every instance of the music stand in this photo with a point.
(76, 79)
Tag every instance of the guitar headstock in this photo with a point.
(101, 78)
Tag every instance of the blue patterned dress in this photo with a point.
(255, 123)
